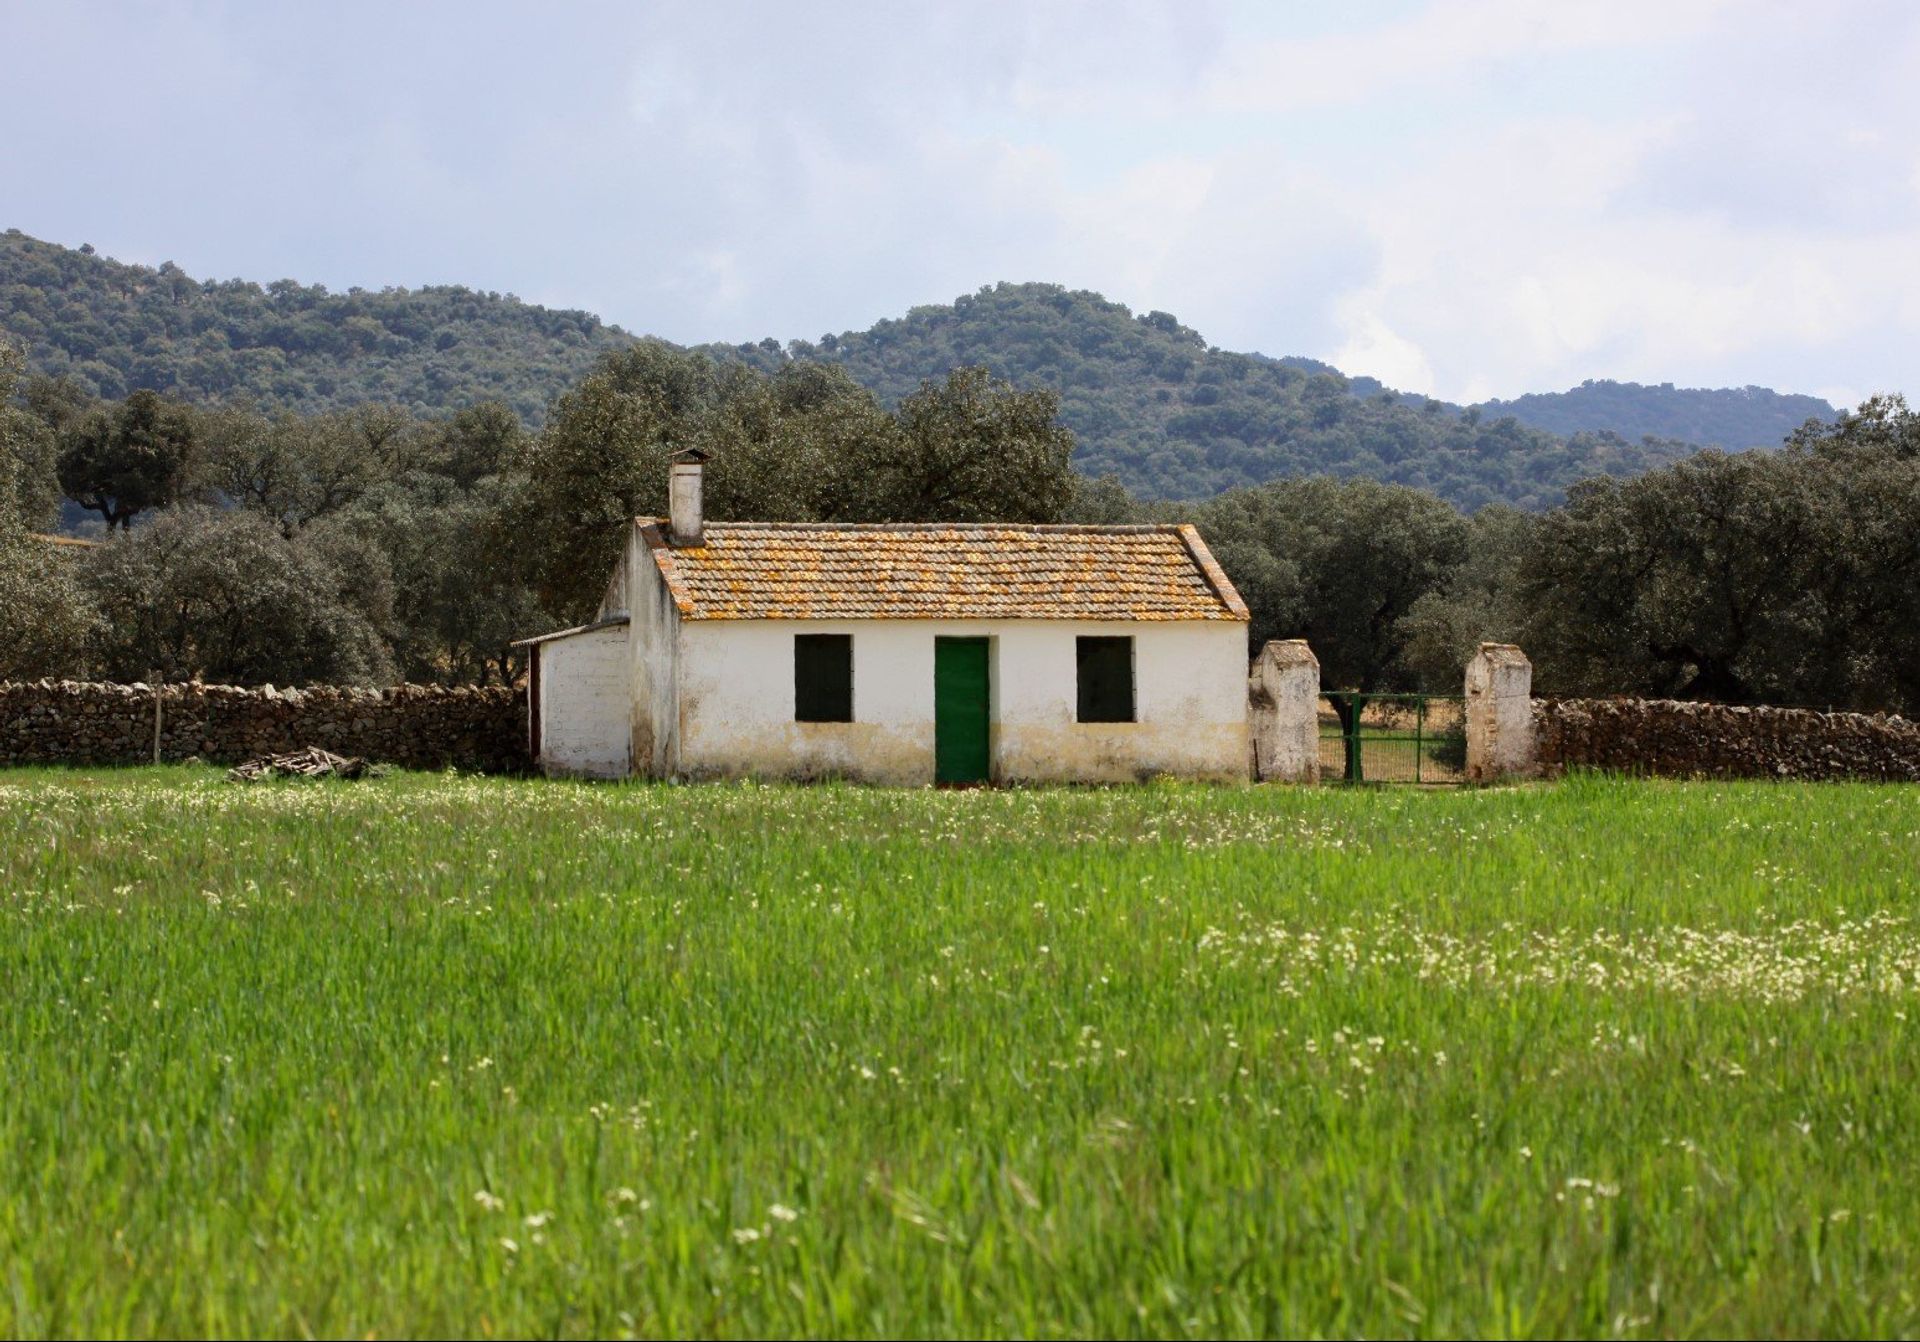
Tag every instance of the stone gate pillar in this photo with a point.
(1283, 696)
(1499, 714)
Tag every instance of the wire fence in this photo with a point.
(1393, 738)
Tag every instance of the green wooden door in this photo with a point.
(960, 699)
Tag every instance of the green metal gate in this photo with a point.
(1392, 738)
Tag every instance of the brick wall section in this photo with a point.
(1671, 739)
(416, 726)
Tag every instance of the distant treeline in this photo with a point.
(112, 329)
(1729, 417)
(1146, 398)
(366, 544)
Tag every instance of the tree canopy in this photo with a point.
(1789, 577)
(226, 597)
(1340, 563)
(46, 620)
(122, 461)
(802, 443)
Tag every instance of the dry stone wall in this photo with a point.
(415, 726)
(1673, 739)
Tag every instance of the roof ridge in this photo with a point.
(1050, 528)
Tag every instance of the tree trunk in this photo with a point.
(1715, 680)
(1346, 707)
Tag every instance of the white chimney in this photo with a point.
(683, 496)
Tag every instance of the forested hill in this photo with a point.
(1730, 417)
(117, 328)
(1152, 402)
(1147, 398)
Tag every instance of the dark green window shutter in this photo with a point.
(823, 677)
(1106, 679)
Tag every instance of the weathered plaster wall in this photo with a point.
(417, 726)
(613, 602)
(1190, 686)
(736, 702)
(1499, 714)
(653, 669)
(1283, 691)
(584, 710)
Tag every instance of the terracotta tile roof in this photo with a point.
(986, 571)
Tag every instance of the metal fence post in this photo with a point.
(153, 679)
(1356, 766)
(1419, 731)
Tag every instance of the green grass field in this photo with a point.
(428, 1054)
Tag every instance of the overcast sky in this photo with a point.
(1469, 199)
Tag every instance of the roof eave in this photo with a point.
(578, 629)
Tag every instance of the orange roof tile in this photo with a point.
(943, 571)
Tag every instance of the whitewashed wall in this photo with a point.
(735, 690)
(583, 707)
(653, 670)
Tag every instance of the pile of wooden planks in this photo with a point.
(312, 762)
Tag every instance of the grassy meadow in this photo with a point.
(427, 1055)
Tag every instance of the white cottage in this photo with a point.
(898, 653)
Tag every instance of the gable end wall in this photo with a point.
(654, 672)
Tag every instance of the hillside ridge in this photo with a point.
(1148, 398)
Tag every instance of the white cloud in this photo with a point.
(1474, 198)
(1375, 349)
(1542, 254)
(1434, 45)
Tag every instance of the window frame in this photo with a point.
(811, 657)
(1084, 644)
